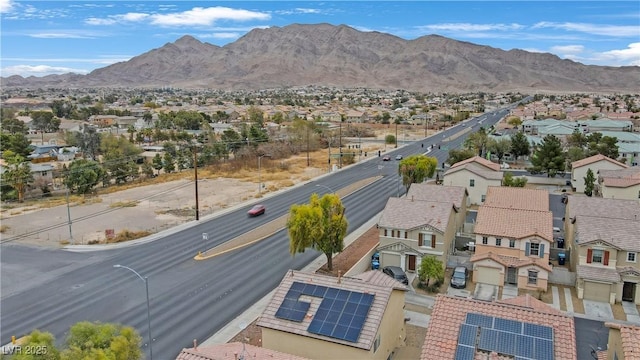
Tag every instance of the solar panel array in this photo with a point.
(341, 313)
(521, 340)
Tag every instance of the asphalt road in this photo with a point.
(51, 290)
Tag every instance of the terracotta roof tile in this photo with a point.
(593, 159)
(479, 160)
(369, 329)
(622, 178)
(514, 223)
(528, 301)
(437, 193)
(379, 278)
(599, 273)
(620, 183)
(621, 233)
(232, 351)
(449, 312)
(517, 198)
(603, 208)
(402, 213)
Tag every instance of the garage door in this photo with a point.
(597, 291)
(487, 275)
(387, 259)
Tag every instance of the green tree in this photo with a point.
(478, 141)
(457, 155)
(549, 157)
(320, 225)
(577, 139)
(168, 163)
(157, 162)
(232, 139)
(605, 145)
(416, 168)
(520, 145)
(514, 121)
(102, 341)
(499, 147)
(89, 142)
(509, 180)
(589, 183)
(38, 340)
(147, 169)
(45, 121)
(13, 126)
(18, 143)
(430, 268)
(83, 175)
(390, 139)
(17, 174)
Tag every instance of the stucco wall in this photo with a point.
(630, 193)
(462, 177)
(578, 174)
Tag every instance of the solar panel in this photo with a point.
(315, 326)
(524, 346)
(539, 331)
(543, 349)
(319, 291)
(358, 321)
(331, 293)
(355, 297)
(507, 325)
(363, 309)
(350, 308)
(480, 320)
(506, 343)
(292, 310)
(488, 339)
(297, 286)
(467, 334)
(465, 352)
(352, 334)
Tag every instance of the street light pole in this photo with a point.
(146, 285)
(259, 174)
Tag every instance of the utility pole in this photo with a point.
(340, 144)
(397, 121)
(308, 159)
(195, 169)
(69, 218)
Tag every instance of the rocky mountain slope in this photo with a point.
(324, 54)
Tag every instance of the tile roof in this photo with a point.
(511, 261)
(379, 278)
(369, 329)
(594, 159)
(603, 208)
(479, 170)
(620, 233)
(437, 193)
(402, 213)
(233, 351)
(514, 223)
(490, 165)
(517, 198)
(528, 301)
(622, 178)
(449, 312)
(630, 336)
(598, 273)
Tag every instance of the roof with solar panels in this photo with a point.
(522, 329)
(345, 310)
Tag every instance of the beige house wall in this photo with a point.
(523, 278)
(463, 177)
(578, 174)
(614, 345)
(517, 251)
(392, 334)
(629, 193)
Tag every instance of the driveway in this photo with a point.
(485, 292)
(598, 310)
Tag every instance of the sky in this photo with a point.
(45, 37)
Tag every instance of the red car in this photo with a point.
(256, 210)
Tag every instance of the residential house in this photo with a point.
(468, 329)
(624, 341)
(354, 116)
(602, 235)
(476, 175)
(514, 233)
(233, 351)
(456, 195)
(323, 317)
(44, 153)
(619, 184)
(561, 131)
(607, 125)
(596, 163)
(629, 153)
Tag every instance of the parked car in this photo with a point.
(386, 158)
(398, 157)
(257, 210)
(397, 273)
(375, 261)
(459, 278)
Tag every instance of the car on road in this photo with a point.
(375, 261)
(459, 277)
(398, 157)
(397, 273)
(386, 158)
(257, 210)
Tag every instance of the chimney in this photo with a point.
(195, 344)
(339, 276)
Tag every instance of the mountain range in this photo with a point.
(340, 56)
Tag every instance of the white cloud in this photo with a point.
(206, 16)
(593, 29)
(628, 56)
(308, 11)
(221, 35)
(60, 35)
(6, 6)
(38, 70)
(98, 21)
(114, 19)
(467, 27)
(567, 49)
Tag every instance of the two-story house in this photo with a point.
(596, 163)
(619, 184)
(476, 175)
(456, 195)
(514, 233)
(603, 237)
(410, 229)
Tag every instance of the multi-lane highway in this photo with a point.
(52, 289)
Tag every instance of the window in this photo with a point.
(485, 240)
(498, 242)
(472, 182)
(534, 249)
(420, 239)
(376, 343)
(512, 243)
(638, 194)
(532, 277)
(433, 241)
(406, 234)
(483, 198)
(631, 257)
(597, 256)
(385, 232)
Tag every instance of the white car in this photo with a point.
(504, 165)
